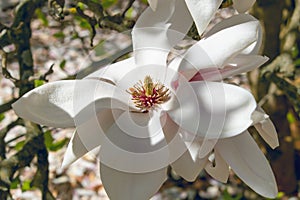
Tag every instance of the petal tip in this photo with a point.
(153, 4)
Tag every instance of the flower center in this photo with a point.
(147, 95)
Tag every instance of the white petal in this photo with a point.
(130, 186)
(243, 5)
(249, 163)
(59, 103)
(236, 20)
(202, 12)
(114, 72)
(230, 41)
(265, 128)
(75, 150)
(155, 33)
(89, 135)
(219, 110)
(242, 64)
(183, 155)
(238, 65)
(135, 143)
(219, 48)
(220, 170)
(153, 4)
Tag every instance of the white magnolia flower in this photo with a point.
(146, 115)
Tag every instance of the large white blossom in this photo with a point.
(146, 114)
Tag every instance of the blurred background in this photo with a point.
(42, 41)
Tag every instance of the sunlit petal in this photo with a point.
(218, 49)
(59, 103)
(114, 72)
(235, 20)
(202, 12)
(224, 109)
(168, 24)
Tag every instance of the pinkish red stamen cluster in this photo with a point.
(147, 94)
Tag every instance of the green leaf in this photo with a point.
(108, 3)
(59, 34)
(81, 5)
(100, 48)
(295, 52)
(58, 145)
(297, 62)
(227, 196)
(51, 144)
(38, 83)
(129, 13)
(291, 118)
(62, 64)
(15, 182)
(26, 185)
(2, 116)
(48, 139)
(19, 145)
(41, 16)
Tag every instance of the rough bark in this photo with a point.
(268, 85)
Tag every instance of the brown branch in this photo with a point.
(128, 6)
(6, 106)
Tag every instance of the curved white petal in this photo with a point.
(243, 5)
(59, 103)
(236, 20)
(130, 186)
(202, 12)
(156, 32)
(153, 4)
(135, 143)
(75, 150)
(239, 64)
(183, 154)
(113, 72)
(265, 127)
(230, 41)
(242, 64)
(219, 170)
(224, 109)
(249, 163)
(219, 48)
(89, 135)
